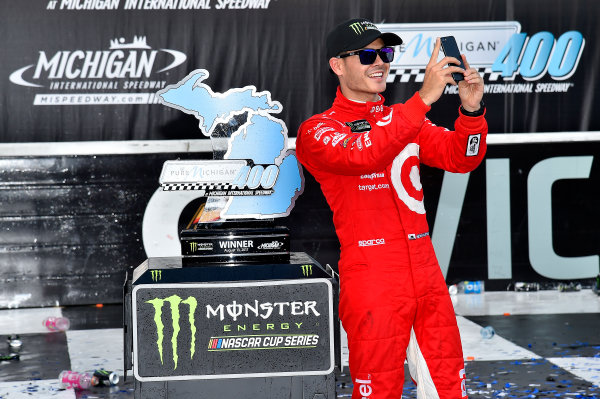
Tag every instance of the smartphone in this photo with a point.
(450, 49)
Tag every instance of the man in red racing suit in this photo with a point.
(366, 157)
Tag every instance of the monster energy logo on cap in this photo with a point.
(361, 26)
(174, 301)
(357, 28)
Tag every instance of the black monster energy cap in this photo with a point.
(356, 34)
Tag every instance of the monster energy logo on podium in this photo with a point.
(307, 270)
(156, 275)
(200, 330)
(174, 301)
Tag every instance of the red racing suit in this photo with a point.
(366, 157)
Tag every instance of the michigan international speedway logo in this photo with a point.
(126, 73)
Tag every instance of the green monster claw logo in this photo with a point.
(156, 275)
(103, 372)
(307, 270)
(193, 246)
(357, 28)
(174, 301)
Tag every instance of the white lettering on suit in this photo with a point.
(364, 388)
(386, 120)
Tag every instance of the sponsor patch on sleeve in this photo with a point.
(417, 236)
(337, 138)
(473, 145)
(359, 126)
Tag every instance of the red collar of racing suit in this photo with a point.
(347, 106)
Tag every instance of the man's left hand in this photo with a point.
(470, 90)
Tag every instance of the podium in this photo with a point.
(232, 330)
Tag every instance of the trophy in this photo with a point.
(252, 180)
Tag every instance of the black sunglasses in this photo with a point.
(368, 56)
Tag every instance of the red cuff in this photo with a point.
(471, 122)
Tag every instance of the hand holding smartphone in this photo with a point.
(450, 49)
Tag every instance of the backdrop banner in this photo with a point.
(75, 70)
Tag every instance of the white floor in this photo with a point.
(538, 302)
(39, 389)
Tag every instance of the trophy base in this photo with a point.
(235, 243)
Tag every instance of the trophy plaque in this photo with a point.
(235, 243)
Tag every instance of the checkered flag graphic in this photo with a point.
(195, 186)
(418, 74)
(406, 75)
(491, 76)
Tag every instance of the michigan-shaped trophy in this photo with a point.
(252, 180)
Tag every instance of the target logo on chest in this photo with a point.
(406, 178)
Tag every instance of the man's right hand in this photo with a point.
(438, 75)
